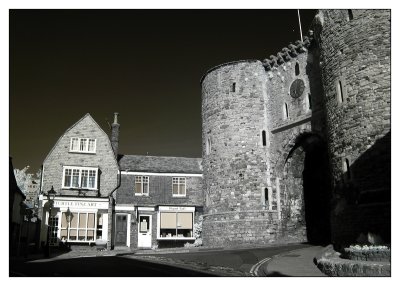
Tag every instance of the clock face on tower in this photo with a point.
(297, 88)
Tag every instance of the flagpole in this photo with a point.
(301, 34)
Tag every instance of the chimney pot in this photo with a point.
(116, 117)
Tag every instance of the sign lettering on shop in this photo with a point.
(98, 205)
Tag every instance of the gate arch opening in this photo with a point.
(307, 182)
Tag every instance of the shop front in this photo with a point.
(175, 225)
(76, 221)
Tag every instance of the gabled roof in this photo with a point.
(76, 123)
(156, 164)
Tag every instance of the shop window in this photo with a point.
(175, 225)
(99, 227)
(297, 69)
(80, 228)
(141, 186)
(53, 229)
(80, 178)
(233, 87)
(178, 187)
(83, 145)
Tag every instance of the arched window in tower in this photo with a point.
(264, 138)
(297, 69)
(350, 12)
(285, 111)
(233, 87)
(339, 88)
(208, 146)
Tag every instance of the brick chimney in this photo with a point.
(115, 134)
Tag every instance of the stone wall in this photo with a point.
(355, 65)
(234, 116)
(356, 52)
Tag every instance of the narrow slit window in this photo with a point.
(208, 146)
(309, 101)
(264, 138)
(266, 196)
(350, 12)
(340, 91)
(297, 69)
(285, 111)
(233, 87)
(348, 175)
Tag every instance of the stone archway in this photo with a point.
(305, 175)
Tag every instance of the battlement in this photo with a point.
(290, 52)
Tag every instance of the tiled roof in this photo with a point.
(156, 164)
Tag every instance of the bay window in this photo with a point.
(80, 177)
(83, 145)
(81, 227)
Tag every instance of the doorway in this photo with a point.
(308, 190)
(144, 231)
(121, 223)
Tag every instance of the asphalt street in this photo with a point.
(237, 261)
(200, 263)
(108, 266)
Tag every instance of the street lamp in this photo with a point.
(68, 216)
(50, 197)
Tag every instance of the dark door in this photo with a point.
(120, 230)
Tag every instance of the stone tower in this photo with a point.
(279, 134)
(355, 65)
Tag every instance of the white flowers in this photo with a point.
(368, 247)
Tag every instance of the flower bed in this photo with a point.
(367, 253)
(332, 263)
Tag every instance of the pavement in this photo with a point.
(297, 263)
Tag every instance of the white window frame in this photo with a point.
(80, 169)
(159, 237)
(68, 228)
(79, 144)
(179, 183)
(142, 178)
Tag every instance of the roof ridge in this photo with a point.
(153, 156)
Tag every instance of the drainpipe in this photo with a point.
(110, 199)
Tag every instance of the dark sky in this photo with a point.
(144, 64)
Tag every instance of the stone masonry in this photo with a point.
(295, 143)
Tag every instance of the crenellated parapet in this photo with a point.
(288, 53)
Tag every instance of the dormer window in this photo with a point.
(83, 145)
